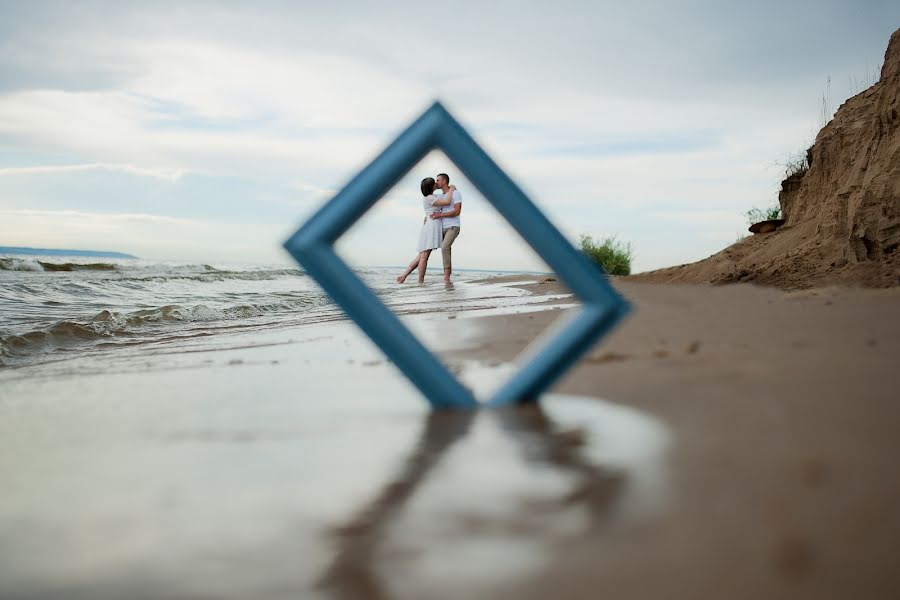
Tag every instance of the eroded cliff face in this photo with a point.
(842, 215)
(851, 193)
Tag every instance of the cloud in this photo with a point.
(163, 173)
(308, 89)
(49, 215)
(700, 218)
(146, 235)
(115, 127)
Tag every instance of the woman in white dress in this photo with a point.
(430, 236)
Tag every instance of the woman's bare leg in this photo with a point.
(412, 267)
(423, 264)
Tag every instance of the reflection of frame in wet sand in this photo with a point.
(352, 574)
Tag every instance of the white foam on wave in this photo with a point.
(20, 264)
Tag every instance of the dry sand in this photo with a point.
(785, 412)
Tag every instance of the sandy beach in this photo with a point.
(784, 414)
(728, 441)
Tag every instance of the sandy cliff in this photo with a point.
(842, 215)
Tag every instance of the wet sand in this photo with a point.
(724, 442)
(785, 414)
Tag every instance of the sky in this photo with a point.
(208, 131)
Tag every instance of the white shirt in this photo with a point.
(450, 221)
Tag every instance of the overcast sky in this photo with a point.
(208, 130)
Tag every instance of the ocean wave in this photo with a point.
(20, 264)
(113, 324)
(219, 275)
(32, 264)
(208, 277)
(153, 272)
(69, 267)
(201, 312)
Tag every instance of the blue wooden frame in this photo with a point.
(313, 247)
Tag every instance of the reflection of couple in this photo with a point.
(596, 489)
(441, 225)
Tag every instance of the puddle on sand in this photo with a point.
(487, 497)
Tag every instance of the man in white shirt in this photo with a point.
(449, 216)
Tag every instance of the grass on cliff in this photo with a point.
(755, 215)
(797, 164)
(610, 254)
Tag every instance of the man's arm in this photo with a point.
(447, 199)
(457, 208)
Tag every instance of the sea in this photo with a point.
(55, 308)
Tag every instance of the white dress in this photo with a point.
(432, 232)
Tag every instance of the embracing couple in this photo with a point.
(442, 203)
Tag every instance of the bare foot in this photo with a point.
(401, 279)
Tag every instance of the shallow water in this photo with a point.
(55, 308)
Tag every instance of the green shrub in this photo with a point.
(755, 215)
(613, 256)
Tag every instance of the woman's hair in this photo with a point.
(427, 186)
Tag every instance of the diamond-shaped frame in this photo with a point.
(313, 247)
